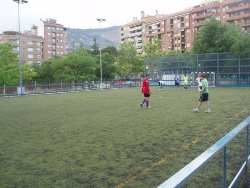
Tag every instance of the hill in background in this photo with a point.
(106, 36)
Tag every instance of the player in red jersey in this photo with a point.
(146, 91)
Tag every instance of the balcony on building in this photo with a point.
(137, 28)
(237, 6)
(198, 24)
(237, 16)
(245, 23)
(139, 45)
(135, 34)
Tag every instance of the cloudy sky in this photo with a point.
(83, 13)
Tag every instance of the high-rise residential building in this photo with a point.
(177, 30)
(237, 12)
(155, 26)
(31, 44)
(178, 33)
(55, 39)
(135, 31)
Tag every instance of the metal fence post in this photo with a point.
(247, 139)
(225, 168)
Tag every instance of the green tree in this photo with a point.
(108, 66)
(153, 48)
(28, 72)
(95, 47)
(79, 65)
(216, 37)
(110, 50)
(9, 66)
(128, 59)
(45, 71)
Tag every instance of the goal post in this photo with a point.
(210, 76)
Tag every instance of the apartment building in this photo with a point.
(31, 44)
(155, 26)
(236, 12)
(136, 31)
(177, 30)
(178, 33)
(203, 12)
(55, 39)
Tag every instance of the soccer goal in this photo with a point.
(210, 76)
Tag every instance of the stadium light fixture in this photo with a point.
(20, 58)
(100, 20)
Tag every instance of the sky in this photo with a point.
(83, 14)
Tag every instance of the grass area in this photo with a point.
(105, 139)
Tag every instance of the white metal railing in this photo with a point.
(189, 170)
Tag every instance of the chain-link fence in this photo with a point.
(229, 69)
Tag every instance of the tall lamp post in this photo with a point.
(100, 20)
(20, 58)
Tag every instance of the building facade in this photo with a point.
(236, 12)
(31, 45)
(55, 39)
(138, 30)
(177, 31)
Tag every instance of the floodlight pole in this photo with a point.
(100, 20)
(19, 38)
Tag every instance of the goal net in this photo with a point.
(210, 76)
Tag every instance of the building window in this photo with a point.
(30, 56)
(49, 45)
(38, 56)
(48, 33)
(30, 49)
(48, 27)
(49, 52)
(30, 43)
(38, 49)
(38, 43)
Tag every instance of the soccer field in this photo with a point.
(104, 139)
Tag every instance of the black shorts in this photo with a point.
(146, 95)
(204, 97)
(176, 84)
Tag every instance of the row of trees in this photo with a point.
(84, 64)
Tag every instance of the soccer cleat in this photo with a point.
(141, 105)
(196, 110)
(208, 111)
(149, 107)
